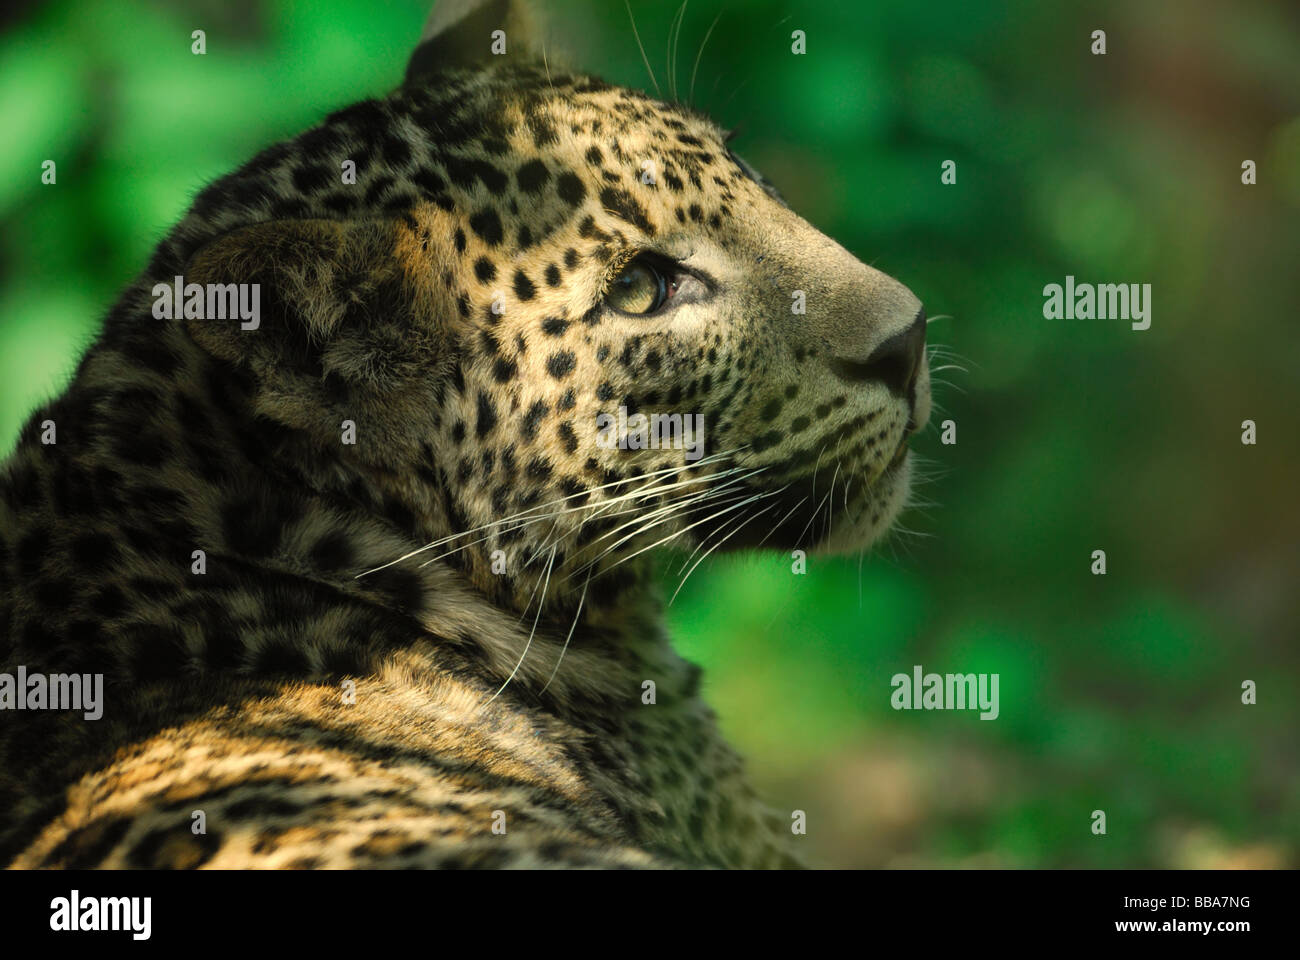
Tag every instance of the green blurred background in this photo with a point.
(1119, 693)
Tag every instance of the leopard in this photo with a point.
(368, 581)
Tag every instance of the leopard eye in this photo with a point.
(640, 288)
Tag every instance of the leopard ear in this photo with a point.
(339, 320)
(473, 33)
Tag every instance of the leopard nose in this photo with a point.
(895, 362)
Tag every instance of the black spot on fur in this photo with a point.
(156, 356)
(428, 181)
(333, 552)
(532, 176)
(94, 552)
(543, 132)
(626, 207)
(503, 371)
(570, 189)
(533, 419)
(568, 437)
(463, 172)
(396, 151)
(312, 177)
(31, 552)
(156, 652)
(280, 658)
(561, 364)
(487, 416)
(378, 187)
(403, 587)
(145, 448)
(110, 602)
(487, 225)
(84, 847)
(253, 525)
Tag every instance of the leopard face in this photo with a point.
(568, 321)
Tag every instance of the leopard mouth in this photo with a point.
(875, 510)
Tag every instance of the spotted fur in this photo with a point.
(333, 691)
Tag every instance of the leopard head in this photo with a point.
(567, 322)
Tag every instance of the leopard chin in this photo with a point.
(867, 520)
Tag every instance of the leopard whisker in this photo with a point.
(532, 515)
(671, 505)
(646, 528)
(699, 546)
(688, 528)
(690, 96)
(830, 512)
(752, 518)
(573, 626)
(531, 634)
(648, 493)
(948, 385)
(704, 541)
(674, 38)
(675, 511)
(777, 525)
(641, 47)
(811, 519)
(524, 611)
